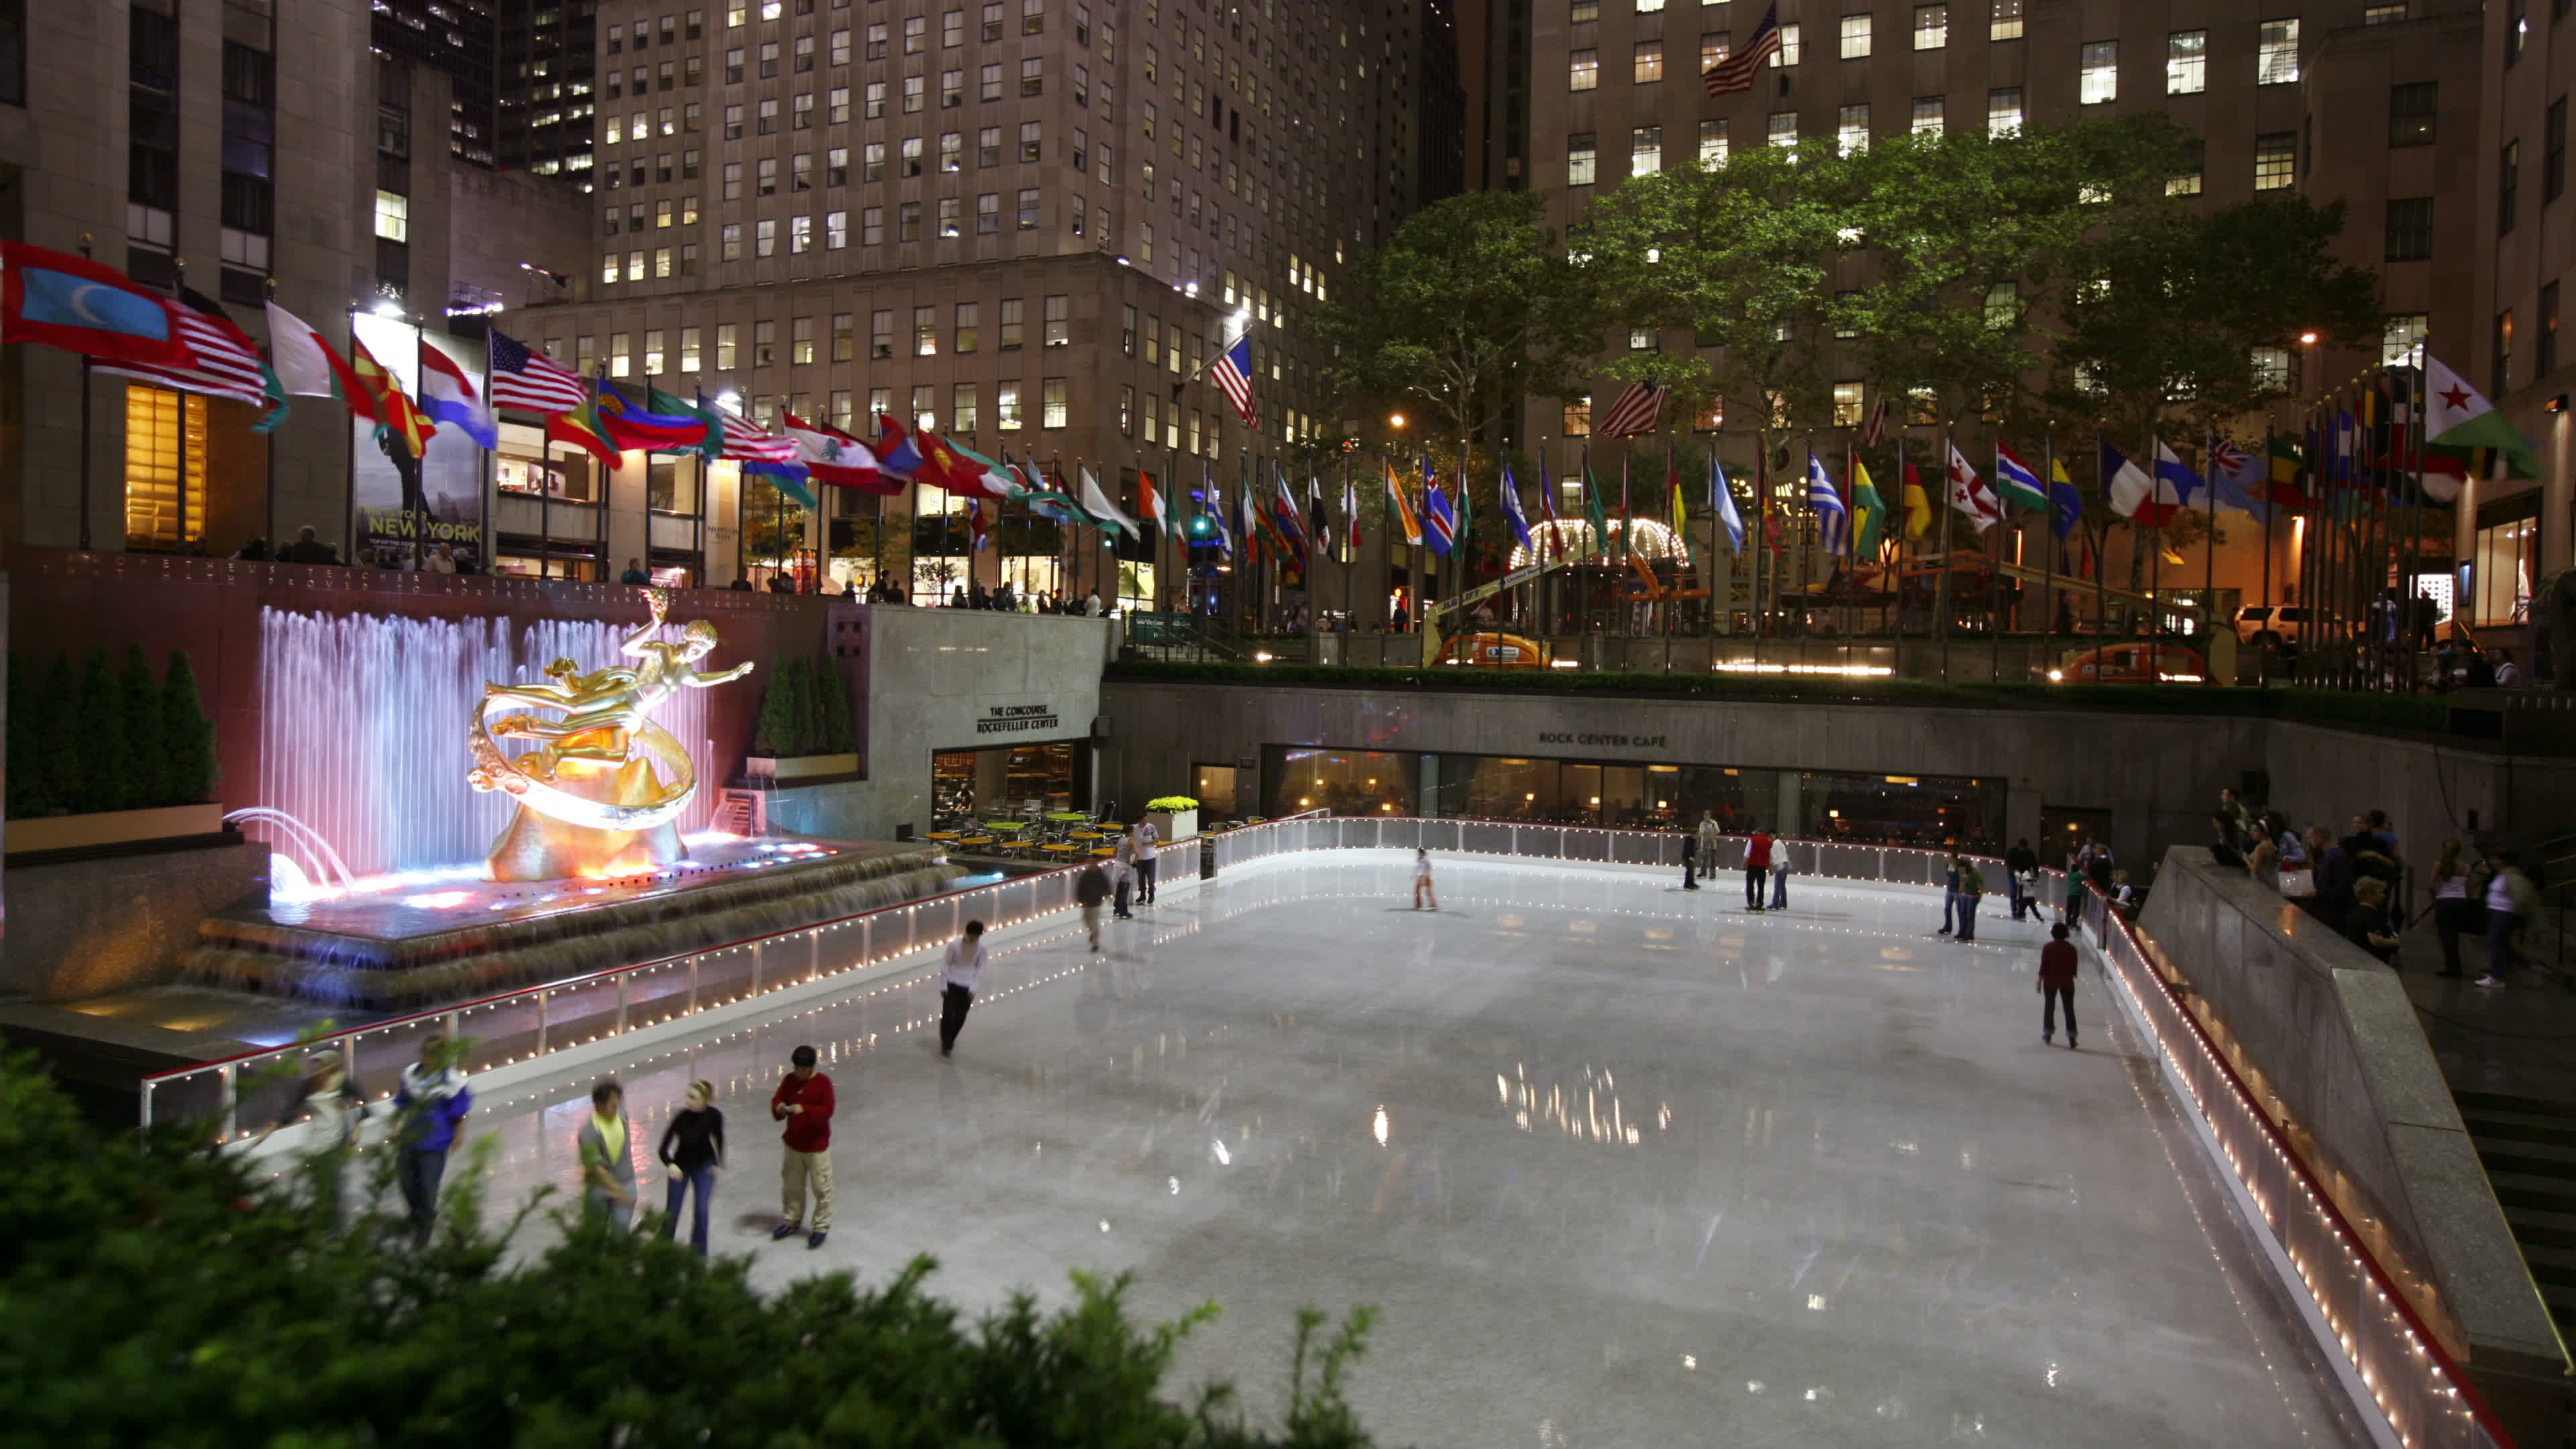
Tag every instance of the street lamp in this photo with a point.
(1395, 420)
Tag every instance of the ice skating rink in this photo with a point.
(1617, 1164)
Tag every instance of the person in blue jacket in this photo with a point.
(429, 1109)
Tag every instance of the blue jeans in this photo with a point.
(418, 1172)
(1779, 890)
(1968, 916)
(2013, 883)
(1949, 907)
(704, 1179)
(2501, 956)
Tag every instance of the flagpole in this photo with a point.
(2049, 544)
(2263, 660)
(1941, 584)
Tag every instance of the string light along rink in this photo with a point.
(1615, 1163)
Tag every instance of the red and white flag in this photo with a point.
(831, 455)
(221, 360)
(1149, 500)
(1633, 412)
(744, 440)
(1735, 73)
(1970, 495)
(1875, 435)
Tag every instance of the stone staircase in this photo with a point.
(2529, 1148)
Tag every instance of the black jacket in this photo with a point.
(1092, 886)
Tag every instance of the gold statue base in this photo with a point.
(535, 846)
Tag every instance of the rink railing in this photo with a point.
(2423, 1394)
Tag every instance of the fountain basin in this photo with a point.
(429, 939)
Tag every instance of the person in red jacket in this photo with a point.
(1757, 868)
(804, 1102)
(2057, 963)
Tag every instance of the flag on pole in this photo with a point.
(2457, 415)
(1918, 503)
(87, 307)
(1869, 512)
(634, 429)
(1405, 518)
(449, 395)
(579, 426)
(1149, 501)
(308, 367)
(2288, 464)
(1681, 519)
(1350, 513)
(1212, 508)
(673, 405)
(1592, 513)
(1969, 493)
(1233, 372)
(1875, 435)
(523, 378)
(1097, 504)
(2019, 484)
(2236, 480)
(2065, 504)
(833, 457)
(1735, 73)
(2132, 492)
(751, 444)
(1634, 411)
(1833, 520)
(221, 360)
(2190, 490)
(1444, 524)
(1721, 500)
(394, 413)
(1292, 519)
(1511, 490)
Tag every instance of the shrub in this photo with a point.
(156, 1291)
(1172, 804)
(104, 778)
(187, 737)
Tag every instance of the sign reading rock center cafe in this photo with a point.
(1625, 742)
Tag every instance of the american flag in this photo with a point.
(531, 381)
(1635, 411)
(1734, 74)
(1233, 370)
(1875, 435)
(744, 440)
(221, 360)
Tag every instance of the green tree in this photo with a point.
(187, 737)
(1743, 258)
(58, 736)
(1471, 304)
(777, 732)
(139, 711)
(105, 751)
(839, 734)
(274, 1319)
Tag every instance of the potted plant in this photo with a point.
(1174, 817)
(804, 729)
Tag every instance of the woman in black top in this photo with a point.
(692, 1150)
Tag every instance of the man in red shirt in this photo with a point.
(1757, 868)
(804, 1102)
(2057, 963)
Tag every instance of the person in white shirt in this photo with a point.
(957, 979)
(1144, 835)
(1422, 890)
(1780, 875)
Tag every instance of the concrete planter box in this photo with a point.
(112, 827)
(1171, 825)
(798, 767)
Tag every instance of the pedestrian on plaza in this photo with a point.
(2368, 925)
(2335, 876)
(1122, 871)
(2263, 857)
(1972, 888)
(330, 1101)
(2021, 869)
(2076, 879)
(429, 1106)
(1091, 604)
(607, 1166)
(959, 973)
(1690, 860)
(804, 1102)
(635, 573)
(692, 1152)
(1950, 877)
(1149, 849)
(1780, 874)
(1757, 867)
(2455, 909)
(2057, 963)
(2238, 818)
(2511, 900)
(1422, 890)
(1090, 888)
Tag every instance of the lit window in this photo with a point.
(2003, 111)
(2006, 24)
(1931, 27)
(2271, 368)
(2276, 53)
(1851, 129)
(1581, 159)
(1054, 410)
(1847, 404)
(1645, 150)
(1784, 128)
(2098, 83)
(393, 217)
(1928, 113)
(1792, 47)
(1583, 70)
(1855, 36)
(1712, 144)
(1649, 64)
(2186, 62)
(2275, 160)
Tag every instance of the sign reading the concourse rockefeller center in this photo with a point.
(1017, 719)
(1623, 742)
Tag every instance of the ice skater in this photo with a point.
(1147, 851)
(1780, 875)
(958, 976)
(1757, 867)
(607, 1166)
(1089, 889)
(1950, 895)
(2057, 963)
(1690, 860)
(1972, 889)
(1422, 891)
(804, 1102)
(692, 1150)
(428, 1110)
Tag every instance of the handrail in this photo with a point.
(2105, 925)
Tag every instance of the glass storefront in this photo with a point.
(1876, 809)
(1009, 779)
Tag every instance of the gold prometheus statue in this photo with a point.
(602, 767)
